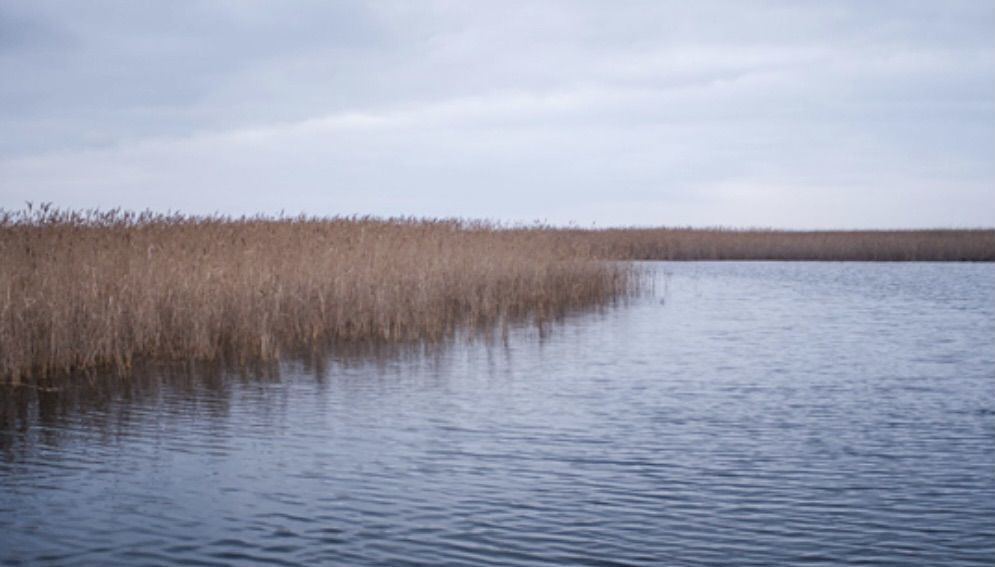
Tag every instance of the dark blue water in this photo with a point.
(743, 414)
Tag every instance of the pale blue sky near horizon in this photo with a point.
(800, 114)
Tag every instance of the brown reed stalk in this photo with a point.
(90, 289)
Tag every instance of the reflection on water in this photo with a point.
(746, 413)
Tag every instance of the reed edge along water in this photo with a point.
(83, 290)
(88, 289)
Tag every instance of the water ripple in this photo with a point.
(763, 414)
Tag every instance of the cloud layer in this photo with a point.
(789, 114)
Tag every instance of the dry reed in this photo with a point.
(82, 290)
(91, 289)
(730, 244)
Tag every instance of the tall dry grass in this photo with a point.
(732, 244)
(83, 290)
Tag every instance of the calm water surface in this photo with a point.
(742, 414)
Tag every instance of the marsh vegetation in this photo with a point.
(781, 245)
(88, 289)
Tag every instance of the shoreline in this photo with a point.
(83, 290)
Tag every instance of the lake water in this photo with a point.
(741, 414)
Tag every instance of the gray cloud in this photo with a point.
(750, 113)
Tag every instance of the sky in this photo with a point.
(801, 114)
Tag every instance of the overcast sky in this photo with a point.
(785, 114)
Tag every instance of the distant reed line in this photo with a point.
(976, 245)
(83, 290)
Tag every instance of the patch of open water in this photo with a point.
(742, 414)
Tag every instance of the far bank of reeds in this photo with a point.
(757, 244)
(85, 290)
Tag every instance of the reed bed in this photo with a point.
(85, 290)
(731, 244)
(81, 290)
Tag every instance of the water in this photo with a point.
(743, 414)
